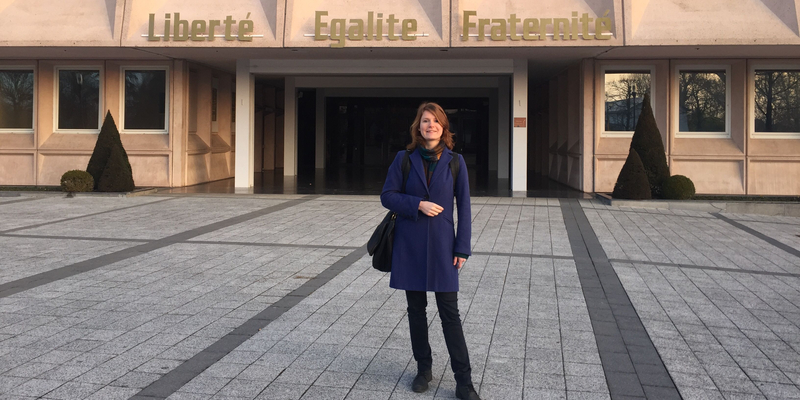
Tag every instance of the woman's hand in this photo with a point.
(459, 262)
(429, 208)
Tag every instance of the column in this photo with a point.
(290, 128)
(319, 151)
(245, 132)
(503, 129)
(519, 136)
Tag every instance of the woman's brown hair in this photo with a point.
(441, 117)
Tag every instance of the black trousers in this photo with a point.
(453, 334)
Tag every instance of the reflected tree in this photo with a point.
(78, 99)
(702, 101)
(624, 95)
(16, 99)
(145, 99)
(777, 107)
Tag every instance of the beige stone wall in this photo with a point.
(741, 163)
(209, 144)
(439, 23)
(565, 120)
(41, 155)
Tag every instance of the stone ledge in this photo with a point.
(134, 193)
(787, 209)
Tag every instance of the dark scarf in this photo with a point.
(430, 158)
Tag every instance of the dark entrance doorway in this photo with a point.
(363, 135)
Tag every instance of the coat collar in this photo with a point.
(444, 164)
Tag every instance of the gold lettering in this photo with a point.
(198, 28)
(603, 25)
(543, 27)
(245, 29)
(318, 25)
(151, 36)
(585, 21)
(356, 31)
(498, 32)
(482, 23)
(181, 28)
(212, 28)
(512, 30)
(468, 24)
(560, 25)
(391, 21)
(337, 32)
(529, 26)
(409, 28)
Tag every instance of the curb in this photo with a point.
(134, 193)
(785, 209)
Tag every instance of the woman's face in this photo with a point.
(430, 128)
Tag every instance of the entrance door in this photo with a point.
(363, 135)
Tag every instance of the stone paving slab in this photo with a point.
(126, 324)
(719, 305)
(692, 240)
(50, 209)
(150, 221)
(24, 257)
(729, 334)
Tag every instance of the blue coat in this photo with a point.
(422, 253)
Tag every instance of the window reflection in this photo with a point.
(777, 101)
(145, 99)
(624, 95)
(16, 99)
(78, 99)
(702, 101)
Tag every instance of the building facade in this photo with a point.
(202, 92)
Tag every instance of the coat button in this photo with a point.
(426, 198)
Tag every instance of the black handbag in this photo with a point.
(380, 243)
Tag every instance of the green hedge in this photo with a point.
(77, 181)
(678, 187)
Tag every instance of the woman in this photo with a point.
(427, 254)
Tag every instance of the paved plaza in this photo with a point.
(273, 297)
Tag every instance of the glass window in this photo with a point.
(145, 99)
(777, 101)
(16, 99)
(702, 101)
(78, 99)
(624, 95)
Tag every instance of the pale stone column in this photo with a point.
(245, 132)
(503, 129)
(319, 152)
(519, 145)
(290, 128)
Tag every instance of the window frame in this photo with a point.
(675, 118)
(100, 99)
(32, 67)
(623, 68)
(166, 70)
(751, 99)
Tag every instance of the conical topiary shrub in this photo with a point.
(632, 181)
(117, 177)
(647, 143)
(120, 177)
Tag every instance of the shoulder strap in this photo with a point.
(406, 166)
(454, 166)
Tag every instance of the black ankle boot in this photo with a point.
(467, 392)
(420, 383)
